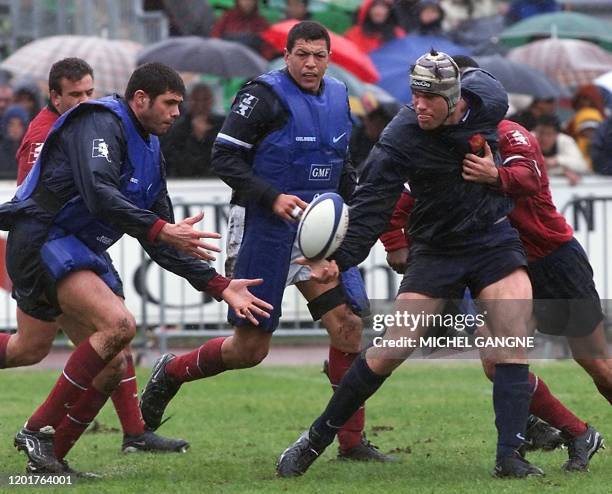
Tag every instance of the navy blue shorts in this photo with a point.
(446, 273)
(566, 301)
(34, 288)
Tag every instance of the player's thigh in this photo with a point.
(32, 341)
(89, 303)
(508, 304)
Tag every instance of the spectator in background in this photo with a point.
(6, 97)
(188, 144)
(377, 114)
(601, 148)
(561, 153)
(185, 18)
(587, 96)
(13, 126)
(405, 12)
(243, 23)
(521, 9)
(376, 24)
(27, 95)
(538, 108)
(586, 122)
(430, 17)
(297, 9)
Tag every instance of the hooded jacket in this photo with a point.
(449, 212)
(367, 35)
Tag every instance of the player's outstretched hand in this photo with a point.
(289, 207)
(186, 238)
(246, 304)
(479, 169)
(321, 271)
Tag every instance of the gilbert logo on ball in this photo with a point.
(322, 226)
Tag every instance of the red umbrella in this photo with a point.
(344, 52)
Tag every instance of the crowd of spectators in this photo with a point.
(578, 144)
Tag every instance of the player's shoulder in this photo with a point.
(513, 135)
(40, 125)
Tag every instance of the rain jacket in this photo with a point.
(368, 36)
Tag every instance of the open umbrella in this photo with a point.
(113, 61)
(570, 62)
(520, 78)
(344, 52)
(205, 56)
(562, 24)
(394, 59)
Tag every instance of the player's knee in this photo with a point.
(488, 366)
(345, 329)
(255, 355)
(122, 328)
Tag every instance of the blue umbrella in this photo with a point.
(393, 60)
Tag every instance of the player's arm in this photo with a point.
(201, 275)
(255, 113)
(519, 174)
(394, 238)
(96, 148)
(348, 179)
(380, 186)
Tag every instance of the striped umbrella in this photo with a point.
(113, 61)
(570, 62)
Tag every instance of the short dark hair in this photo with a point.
(73, 69)
(549, 121)
(309, 31)
(154, 79)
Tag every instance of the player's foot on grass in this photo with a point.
(158, 392)
(365, 451)
(38, 446)
(581, 449)
(151, 442)
(298, 457)
(68, 470)
(515, 466)
(541, 435)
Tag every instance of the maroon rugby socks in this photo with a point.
(83, 365)
(77, 420)
(125, 400)
(547, 407)
(205, 361)
(349, 435)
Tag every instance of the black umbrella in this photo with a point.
(520, 79)
(205, 56)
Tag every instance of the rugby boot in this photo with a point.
(365, 451)
(158, 392)
(38, 447)
(581, 449)
(515, 466)
(151, 442)
(298, 457)
(541, 435)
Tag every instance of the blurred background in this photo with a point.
(553, 57)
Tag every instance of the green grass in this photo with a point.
(438, 415)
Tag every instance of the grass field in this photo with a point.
(437, 417)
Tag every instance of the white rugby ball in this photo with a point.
(322, 226)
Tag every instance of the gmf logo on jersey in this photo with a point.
(34, 152)
(320, 172)
(100, 149)
(246, 105)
